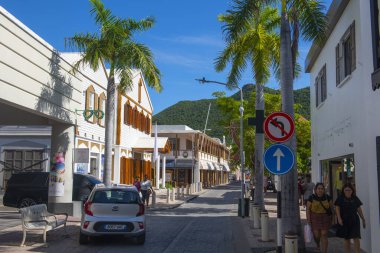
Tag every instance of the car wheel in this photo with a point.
(140, 239)
(83, 239)
(25, 202)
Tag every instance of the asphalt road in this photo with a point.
(208, 223)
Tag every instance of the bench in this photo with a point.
(38, 218)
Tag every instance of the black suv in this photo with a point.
(30, 188)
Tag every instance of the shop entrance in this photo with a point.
(336, 172)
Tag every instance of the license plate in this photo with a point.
(115, 227)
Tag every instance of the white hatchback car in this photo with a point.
(115, 210)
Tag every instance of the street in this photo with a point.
(209, 223)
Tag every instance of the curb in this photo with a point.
(177, 205)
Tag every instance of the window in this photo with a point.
(345, 55)
(127, 114)
(375, 5)
(134, 118)
(91, 103)
(148, 125)
(24, 159)
(189, 145)
(375, 20)
(142, 122)
(173, 142)
(102, 107)
(320, 86)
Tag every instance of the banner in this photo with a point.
(57, 176)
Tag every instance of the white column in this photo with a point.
(163, 171)
(62, 144)
(116, 165)
(158, 172)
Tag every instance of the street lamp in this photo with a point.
(241, 109)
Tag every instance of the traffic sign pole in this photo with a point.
(279, 159)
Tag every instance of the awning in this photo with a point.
(203, 165)
(217, 166)
(210, 166)
(226, 167)
(147, 144)
(184, 163)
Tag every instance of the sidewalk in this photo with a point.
(335, 245)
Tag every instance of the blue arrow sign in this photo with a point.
(279, 159)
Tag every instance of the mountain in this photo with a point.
(194, 113)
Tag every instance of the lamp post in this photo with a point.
(241, 109)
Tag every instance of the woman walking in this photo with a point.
(348, 210)
(146, 190)
(319, 216)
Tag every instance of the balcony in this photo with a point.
(186, 154)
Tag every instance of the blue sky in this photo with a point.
(185, 40)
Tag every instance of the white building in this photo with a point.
(194, 157)
(344, 118)
(46, 115)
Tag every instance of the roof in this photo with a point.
(334, 13)
(147, 144)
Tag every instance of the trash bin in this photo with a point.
(246, 207)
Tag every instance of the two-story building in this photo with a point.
(194, 157)
(345, 124)
(50, 115)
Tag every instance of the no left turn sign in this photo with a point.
(279, 127)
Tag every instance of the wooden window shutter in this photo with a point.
(125, 113)
(316, 92)
(337, 62)
(323, 84)
(94, 119)
(129, 115)
(353, 47)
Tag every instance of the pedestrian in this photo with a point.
(146, 190)
(319, 216)
(348, 210)
(300, 191)
(308, 188)
(265, 183)
(137, 184)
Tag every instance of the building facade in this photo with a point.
(344, 119)
(194, 157)
(53, 120)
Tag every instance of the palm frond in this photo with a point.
(132, 25)
(136, 55)
(313, 21)
(102, 15)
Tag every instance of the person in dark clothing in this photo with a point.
(348, 210)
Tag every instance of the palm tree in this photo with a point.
(115, 48)
(258, 44)
(298, 18)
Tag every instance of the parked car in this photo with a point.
(31, 188)
(115, 210)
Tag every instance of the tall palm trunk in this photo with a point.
(259, 150)
(291, 222)
(110, 126)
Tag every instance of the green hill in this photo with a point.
(194, 113)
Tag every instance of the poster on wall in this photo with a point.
(81, 168)
(57, 176)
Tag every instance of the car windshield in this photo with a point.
(113, 196)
